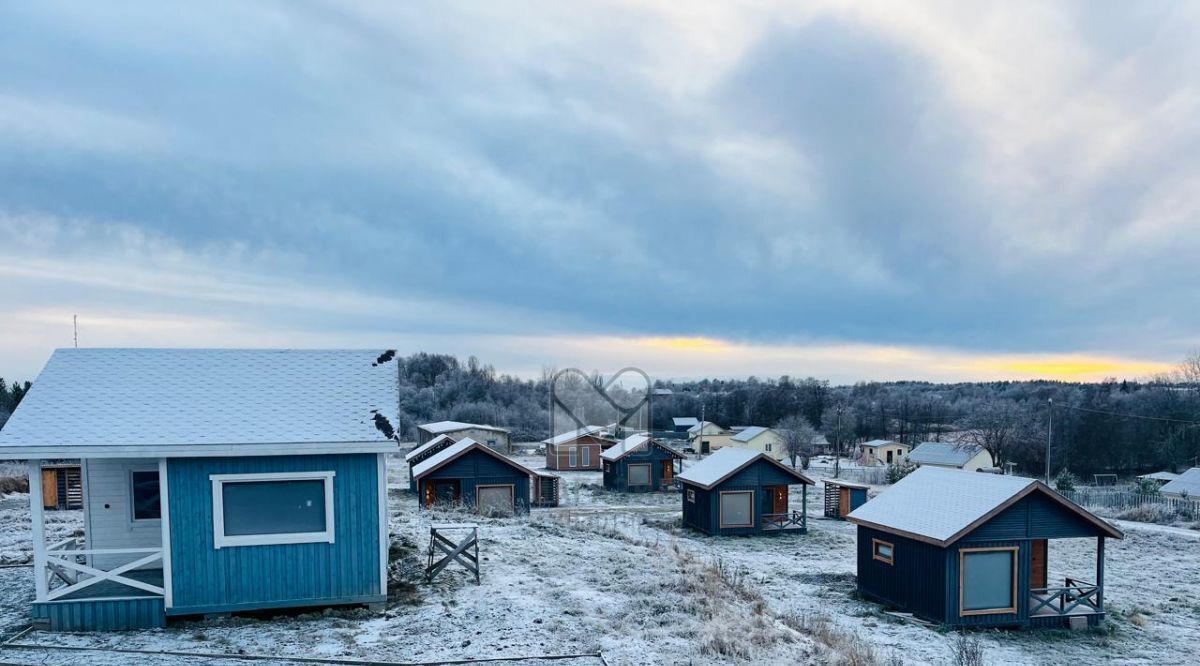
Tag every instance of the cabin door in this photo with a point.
(844, 505)
(443, 491)
(1037, 564)
(704, 446)
(779, 499)
(49, 489)
(668, 471)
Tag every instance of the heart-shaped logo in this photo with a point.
(628, 405)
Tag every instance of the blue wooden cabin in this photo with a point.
(966, 549)
(215, 481)
(740, 491)
(639, 463)
(470, 474)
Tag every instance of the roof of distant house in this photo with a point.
(440, 440)
(634, 443)
(685, 421)
(882, 442)
(939, 506)
(943, 453)
(572, 435)
(1188, 482)
(457, 449)
(728, 461)
(453, 426)
(701, 426)
(749, 433)
(1160, 476)
(192, 402)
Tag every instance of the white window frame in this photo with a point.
(133, 519)
(221, 540)
(721, 508)
(572, 457)
(649, 475)
(587, 457)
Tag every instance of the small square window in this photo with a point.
(883, 551)
(691, 495)
(146, 505)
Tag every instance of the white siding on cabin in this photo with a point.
(109, 511)
(760, 442)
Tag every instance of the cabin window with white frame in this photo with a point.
(274, 508)
(587, 457)
(144, 495)
(572, 457)
(884, 551)
(987, 580)
(639, 474)
(737, 508)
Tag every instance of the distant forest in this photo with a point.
(1110, 426)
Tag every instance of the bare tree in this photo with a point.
(999, 426)
(798, 435)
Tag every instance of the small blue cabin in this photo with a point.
(215, 481)
(739, 491)
(468, 473)
(965, 549)
(639, 464)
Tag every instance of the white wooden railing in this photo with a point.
(66, 574)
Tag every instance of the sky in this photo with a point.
(846, 190)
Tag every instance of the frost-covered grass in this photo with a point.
(618, 573)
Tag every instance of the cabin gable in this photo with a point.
(1034, 516)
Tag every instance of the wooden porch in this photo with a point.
(793, 521)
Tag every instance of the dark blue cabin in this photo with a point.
(739, 491)
(639, 464)
(472, 475)
(259, 492)
(965, 549)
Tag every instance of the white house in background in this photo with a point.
(951, 455)
(758, 438)
(882, 452)
(1187, 485)
(1161, 478)
(706, 437)
(495, 438)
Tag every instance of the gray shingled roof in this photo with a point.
(938, 504)
(749, 433)
(1188, 482)
(572, 435)
(727, 461)
(943, 453)
(147, 402)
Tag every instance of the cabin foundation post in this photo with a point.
(1100, 572)
(40, 584)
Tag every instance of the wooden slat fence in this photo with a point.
(1125, 499)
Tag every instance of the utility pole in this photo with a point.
(837, 452)
(1049, 438)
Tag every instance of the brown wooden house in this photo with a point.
(577, 449)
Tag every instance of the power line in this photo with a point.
(1131, 416)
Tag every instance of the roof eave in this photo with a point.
(194, 450)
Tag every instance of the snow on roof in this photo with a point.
(1188, 482)
(455, 450)
(631, 444)
(1160, 476)
(685, 421)
(881, 442)
(702, 425)
(940, 505)
(749, 433)
(943, 453)
(428, 446)
(452, 426)
(727, 461)
(150, 402)
(573, 435)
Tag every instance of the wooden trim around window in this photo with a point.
(721, 508)
(512, 494)
(1011, 610)
(875, 551)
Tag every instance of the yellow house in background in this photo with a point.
(707, 437)
(969, 457)
(758, 438)
(882, 452)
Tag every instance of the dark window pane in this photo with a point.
(639, 475)
(273, 507)
(145, 496)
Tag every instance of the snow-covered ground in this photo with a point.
(615, 573)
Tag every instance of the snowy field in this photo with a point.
(614, 574)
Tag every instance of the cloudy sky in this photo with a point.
(846, 190)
